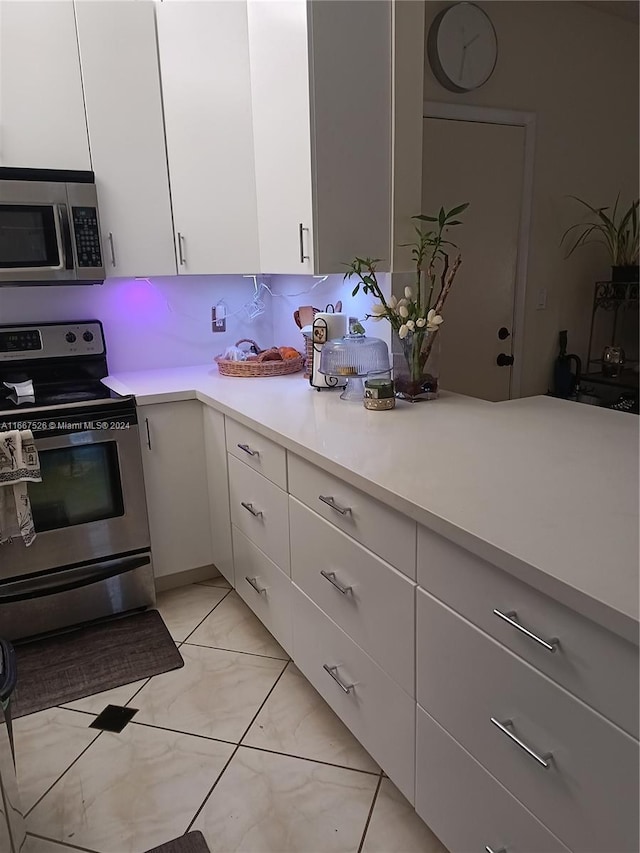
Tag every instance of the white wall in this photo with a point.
(163, 322)
(576, 68)
(290, 292)
(166, 322)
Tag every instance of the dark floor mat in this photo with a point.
(56, 670)
(192, 842)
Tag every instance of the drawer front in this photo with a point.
(451, 783)
(378, 712)
(259, 509)
(588, 793)
(372, 602)
(262, 586)
(385, 532)
(581, 661)
(257, 452)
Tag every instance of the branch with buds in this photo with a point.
(415, 312)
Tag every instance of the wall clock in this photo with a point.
(462, 47)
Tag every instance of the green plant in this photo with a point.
(431, 261)
(620, 235)
(417, 316)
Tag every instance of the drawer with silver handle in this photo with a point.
(450, 783)
(380, 529)
(265, 588)
(257, 452)
(357, 590)
(378, 712)
(592, 663)
(259, 509)
(572, 768)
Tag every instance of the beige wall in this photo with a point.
(576, 68)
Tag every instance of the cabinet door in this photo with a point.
(281, 113)
(121, 79)
(204, 60)
(43, 123)
(218, 484)
(175, 475)
(350, 46)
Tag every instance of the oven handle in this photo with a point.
(67, 579)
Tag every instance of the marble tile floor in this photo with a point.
(236, 744)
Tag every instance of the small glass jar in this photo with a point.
(379, 392)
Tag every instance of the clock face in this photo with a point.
(462, 47)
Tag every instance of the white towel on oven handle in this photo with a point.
(19, 465)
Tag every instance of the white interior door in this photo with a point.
(483, 164)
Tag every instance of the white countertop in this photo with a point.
(543, 488)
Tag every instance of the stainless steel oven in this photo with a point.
(91, 556)
(49, 228)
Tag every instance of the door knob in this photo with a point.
(503, 333)
(504, 360)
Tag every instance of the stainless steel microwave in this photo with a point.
(49, 228)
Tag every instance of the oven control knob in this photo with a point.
(88, 336)
(70, 338)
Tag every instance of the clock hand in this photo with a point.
(464, 55)
(477, 35)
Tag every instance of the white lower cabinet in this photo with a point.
(260, 510)
(465, 806)
(175, 478)
(371, 601)
(378, 712)
(576, 771)
(266, 589)
(218, 484)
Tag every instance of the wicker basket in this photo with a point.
(228, 367)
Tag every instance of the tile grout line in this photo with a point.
(61, 843)
(235, 651)
(222, 772)
(370, 815)
(208, 614)
(64, 772)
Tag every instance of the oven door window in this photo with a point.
(28, 236)
(79, 485)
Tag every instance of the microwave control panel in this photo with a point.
(85, 228)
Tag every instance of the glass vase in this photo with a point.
(415, 365)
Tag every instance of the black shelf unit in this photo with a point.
(615, 298)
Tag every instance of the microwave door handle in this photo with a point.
(64, 236)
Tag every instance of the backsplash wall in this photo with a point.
(148, 323)
(166, 322)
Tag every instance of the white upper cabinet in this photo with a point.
(321, 85)
(119, 61)
(204, 60)
(42, 120)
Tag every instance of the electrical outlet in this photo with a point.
(542, 299)
(218, 324)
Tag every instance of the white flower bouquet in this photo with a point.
(417, 316)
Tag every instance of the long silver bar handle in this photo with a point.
(146, 420)
(333, 672)
(249, 450)
(303, 257)
(331, 501)
(256, 513)
(491, 850)
(543, 760)
(253, 582)
(331, 577)
(181, 255)
(113, 251)
(510, 618)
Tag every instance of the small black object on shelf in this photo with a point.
(564, 379)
